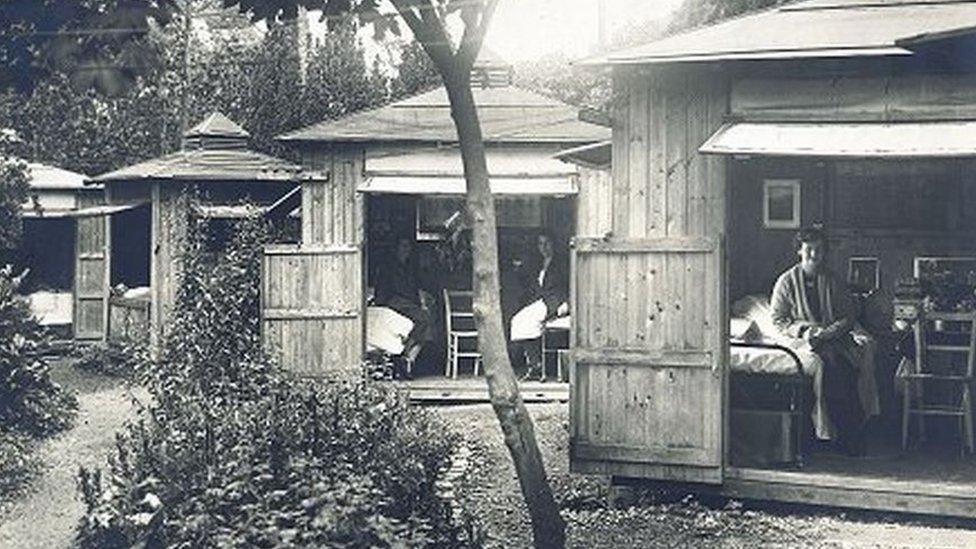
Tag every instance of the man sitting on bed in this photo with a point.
(809, 303)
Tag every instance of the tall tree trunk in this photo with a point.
(548, 527)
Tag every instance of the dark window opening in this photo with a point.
(131, 230)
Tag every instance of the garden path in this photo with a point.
(490, 491)
(47, 515)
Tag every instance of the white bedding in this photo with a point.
(773, 361)
(52, 308)
(386, 329)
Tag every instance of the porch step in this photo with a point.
(473, 390)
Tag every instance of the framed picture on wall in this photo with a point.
(864, 273)
(781, 203)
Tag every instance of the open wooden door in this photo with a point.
(647, 366)
(91, 273)
(311, 308)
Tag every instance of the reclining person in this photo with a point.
(546, 299)
(809, 303)
(398, 288)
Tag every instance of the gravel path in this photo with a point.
(47, 515)
(490, 492)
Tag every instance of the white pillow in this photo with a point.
(756, 308)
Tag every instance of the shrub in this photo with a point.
(30, 402)
(234, 453)
(18, 464)
(119, 358)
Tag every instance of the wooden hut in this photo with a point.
(50, 249)
(142, 227)
(852, 115)
(395, 172)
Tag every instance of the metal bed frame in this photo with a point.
(796, 382)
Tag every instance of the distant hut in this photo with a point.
(48, 249)
(143, 226)
(395, 172)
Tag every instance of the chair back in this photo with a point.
(928, 338)
(459, 310)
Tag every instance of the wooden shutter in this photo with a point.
(647, 372)
(91, 268)
(311, 308)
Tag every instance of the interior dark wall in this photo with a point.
(758, 255)
(891, 210)
(48, 250)
(131, 247)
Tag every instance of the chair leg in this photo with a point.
(454, 365)
(905, 414)
(967, 418)
(450, 352)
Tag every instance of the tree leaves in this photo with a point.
(93, 36)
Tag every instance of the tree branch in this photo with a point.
(473, 37)
(432, 37)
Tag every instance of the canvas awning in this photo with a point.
(104, 209)
(942, 139)
(427, 185)
(513, 171)
(232, 211)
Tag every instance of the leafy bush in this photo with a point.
(13, 193)
(120, 358)
(235, 453)
(30, 402)
(31, 405)
(18, 464)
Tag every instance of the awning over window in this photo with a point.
(409, 184)
(513, 171)
(954, 139)
(105, 209)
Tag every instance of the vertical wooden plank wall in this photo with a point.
(313, 309)
(310, 318)
(91, 269)
(594, 214)
(168, 232)
(649, 297)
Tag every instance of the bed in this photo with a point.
(52, 307)
(768, 385)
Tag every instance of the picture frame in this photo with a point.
(864, 272)
(962, 268)
(781, 203)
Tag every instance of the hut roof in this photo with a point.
(44, 177)
(213, 150)
(507, 114)
(811, 29)
(216, 124)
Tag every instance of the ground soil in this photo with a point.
(490, 492)
(46, 516)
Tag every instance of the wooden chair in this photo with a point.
(924, 371)
(459, 326)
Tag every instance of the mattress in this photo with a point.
(754, 360)
(52, 307)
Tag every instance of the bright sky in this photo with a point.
(524, 30)
(529, 29)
